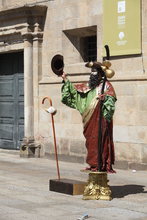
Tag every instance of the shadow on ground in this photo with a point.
(122, 191)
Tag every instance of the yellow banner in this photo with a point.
(122, 26)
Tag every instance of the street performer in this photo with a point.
(96, 108)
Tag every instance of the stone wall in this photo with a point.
(130, 121)
(69, 128)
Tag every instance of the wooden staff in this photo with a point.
(100, 144)
(53, 127)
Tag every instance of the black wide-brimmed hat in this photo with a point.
(57, 64)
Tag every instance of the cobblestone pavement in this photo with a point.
(24, 192)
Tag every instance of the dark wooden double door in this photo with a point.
(11, 100)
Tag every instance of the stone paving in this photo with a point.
(25, 194)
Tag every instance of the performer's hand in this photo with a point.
(63, 76)
(102, 97)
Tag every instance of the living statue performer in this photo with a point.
(96, 103)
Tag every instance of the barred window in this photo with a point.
(89, 48)
(82, 42)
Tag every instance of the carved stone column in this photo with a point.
(28, 147)
(28, 87)
(37, 71)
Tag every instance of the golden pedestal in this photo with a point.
(97, 187)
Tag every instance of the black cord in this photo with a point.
(100, 146)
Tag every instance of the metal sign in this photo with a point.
(122, 26)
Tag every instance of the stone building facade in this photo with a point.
(42, 29)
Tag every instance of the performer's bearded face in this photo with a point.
(95, 77)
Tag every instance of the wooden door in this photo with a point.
(11, 100)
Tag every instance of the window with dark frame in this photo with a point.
(89, 47)
(83, 41)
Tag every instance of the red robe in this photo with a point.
(91, 131)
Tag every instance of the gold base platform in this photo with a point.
(97, 187)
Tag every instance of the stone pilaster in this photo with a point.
(37, 71)
(28, 147)
(28, 86)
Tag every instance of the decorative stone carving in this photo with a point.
(97, 187)
(19, 21)
(29, 148)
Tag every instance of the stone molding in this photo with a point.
(85, 76)
(23, 12)
(26, 22)
(79, 73)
